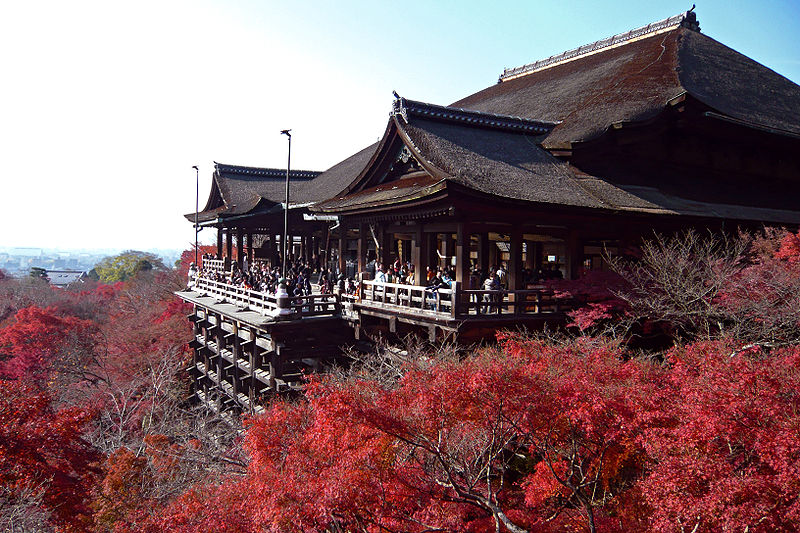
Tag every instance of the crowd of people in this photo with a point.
(262, 277)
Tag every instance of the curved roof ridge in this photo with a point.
(265, 172)
(406, 108)
(687, 19)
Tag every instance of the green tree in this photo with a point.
(126, 265)
(39, 273)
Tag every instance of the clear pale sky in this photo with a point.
(105, 106)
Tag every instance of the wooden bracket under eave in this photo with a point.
(561, 150)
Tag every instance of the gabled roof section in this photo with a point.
(453, 115)
(339, 177)
(236, 190)
(633, 76)
(488, 153)
(459, 156)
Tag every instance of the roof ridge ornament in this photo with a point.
(407, 108)
(687, 20)
(265, 172)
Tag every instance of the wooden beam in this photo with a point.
(574, 254)
(362, 247)
(248, 237)
(239, 247)
(515, 260)
(483, 252)
(462, 254)
(417, 255)
(342, 248)
(387, 246)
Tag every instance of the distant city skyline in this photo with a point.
(106, 106)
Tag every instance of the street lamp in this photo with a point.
(196, 210)
(286, 209)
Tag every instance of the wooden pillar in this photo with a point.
(462, 254)
(574, 259)
(530, 253)
(432, 245)
(342, 248)
(235, 348)
(515, 261)
(255, 364)
(309, 249)
(494, 255)
(417, 255)
(385, 240)
(239, 247)
(362, 247)
(220, 339)
(219, 241)
(228, 246)
(483, 252)
(248, 242)
(448, 250)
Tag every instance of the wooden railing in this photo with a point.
(533, 301)
(269, 304)
(241, 297)
(456, 303)
(217, 265)
(441, 302)
(444, 303)
(316, 305)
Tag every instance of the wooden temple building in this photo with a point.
(562, 160)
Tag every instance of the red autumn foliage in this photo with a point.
(595, 293)
(790, 248)
(37, 338)
(530, 435)
(42, 452)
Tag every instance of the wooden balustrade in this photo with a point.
(217, 265)
(240, 296)
(268, 304)
(455, 302)
(316, 305)
(534, 301)
(441, 302)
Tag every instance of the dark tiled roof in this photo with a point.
(652, 200)
(238, 190)
(498, 162)
(265, 173)
(392, 193)
(336, 179)
(635, 80)
(737, 86)
(511, 165)
(412, 108)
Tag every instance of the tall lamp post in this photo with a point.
(286, 209)
(196, 210)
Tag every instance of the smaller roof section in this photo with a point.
(464, 117)
(237, 190)
(62, 278)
